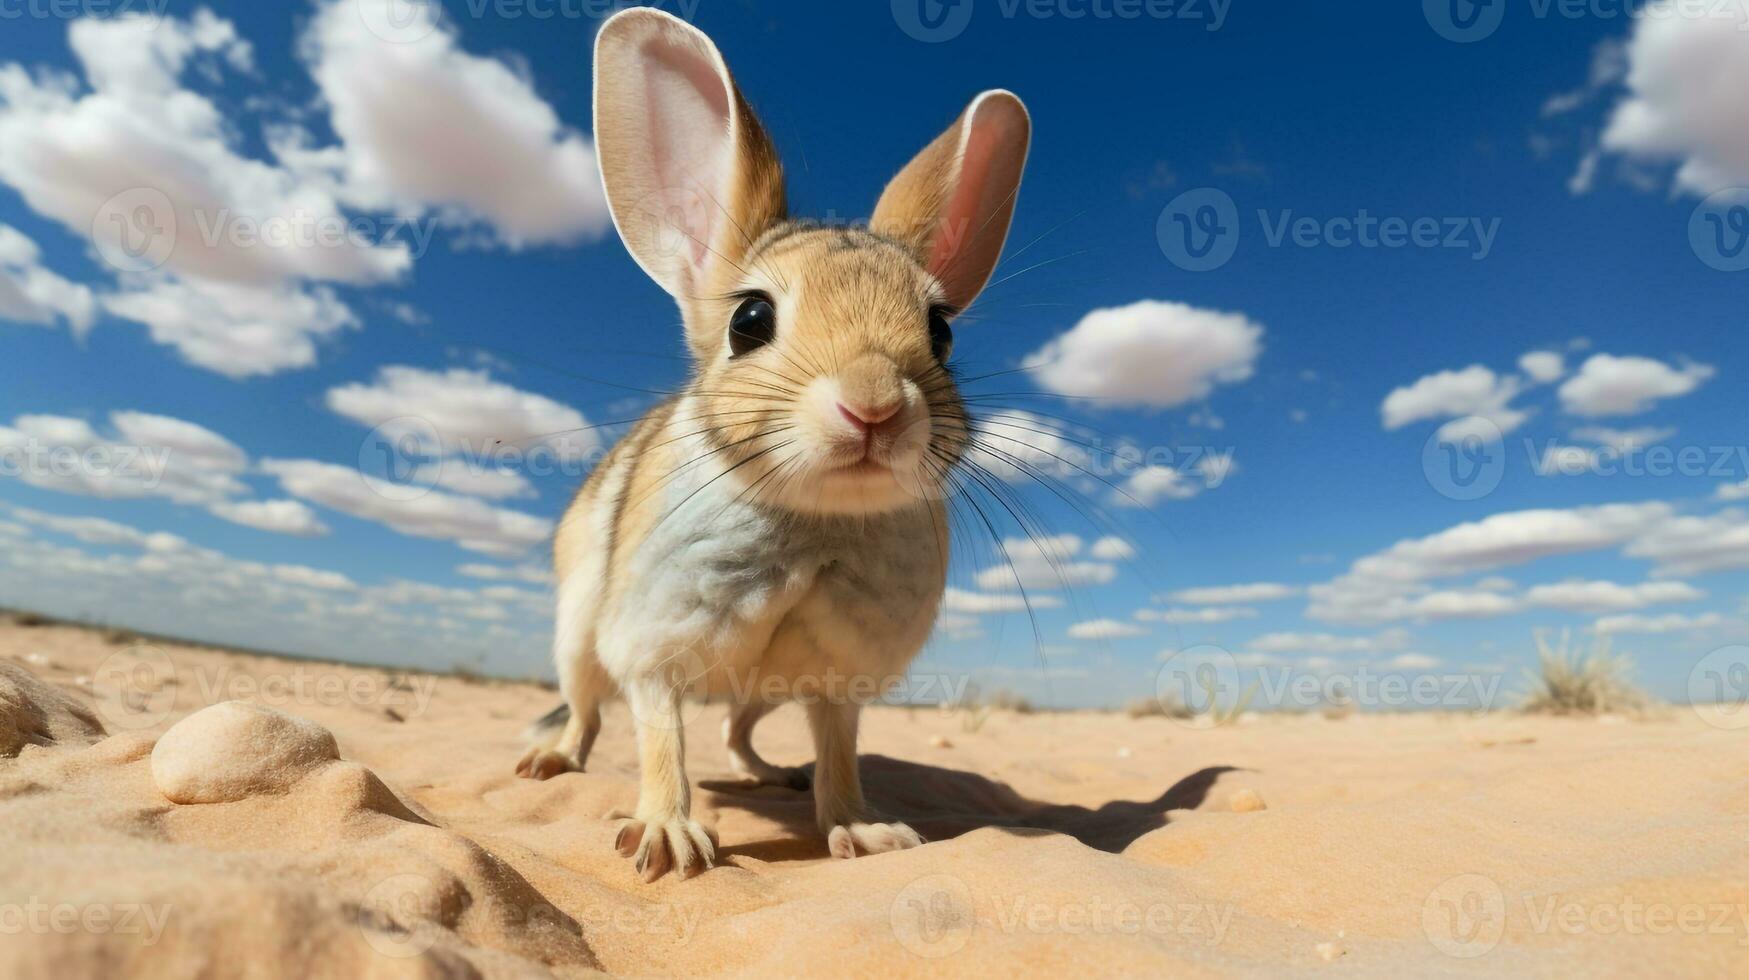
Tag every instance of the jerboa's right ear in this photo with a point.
(691, 177)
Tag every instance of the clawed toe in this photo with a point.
(657, 847)
(540, 763)
(846, 839)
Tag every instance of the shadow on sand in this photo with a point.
(944, 803)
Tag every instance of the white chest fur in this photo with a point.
(749, 596)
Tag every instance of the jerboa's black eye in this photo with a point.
(753, 325)
(940, 332)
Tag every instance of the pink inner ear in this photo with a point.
(690, 146)
(970, 236)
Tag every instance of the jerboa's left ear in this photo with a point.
(691, 177)
(952, 203)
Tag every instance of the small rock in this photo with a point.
(37, 659)
(233, 750)
(940, 742)
(1246, 801)
(1329, 952)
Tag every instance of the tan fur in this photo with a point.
(845, 411)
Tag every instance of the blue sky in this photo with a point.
(1298, 402)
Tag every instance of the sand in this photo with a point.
(1082, 843)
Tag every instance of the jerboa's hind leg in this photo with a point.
(560, 741)
(738, 737)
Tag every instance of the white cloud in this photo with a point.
(140, 163)
(100, 531)
(1045, 563)
(1623, 440)
(977, 603)
(1543, 366)
(1734, 491)
(1226, 595)
(1149, 353)
(1610, 385)
(1151, 485)
(1687, 70)
(144, 455)
(237, 331)
(1474, 391)
(1579, 596)
(1412, 661)
(1112, 549)
(1393, 584)
(1104, 629)
(536, 574)
(424, 125)
(1668, 623)
(277, 516)
(1207, 614)
(30, 293)
(1327, 643)
(470, 414)
(470, 523)
(1695, 545)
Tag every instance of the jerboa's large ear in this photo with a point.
(953, 202)
(690, 175)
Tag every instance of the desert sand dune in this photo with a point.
(1376, 845)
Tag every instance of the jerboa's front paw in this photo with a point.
(673, 843)
(870, 836)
